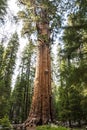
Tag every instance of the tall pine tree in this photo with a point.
(6, 72)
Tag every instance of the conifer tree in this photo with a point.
(22, 93)
(71, 91)
(6, 71)
(44, 20)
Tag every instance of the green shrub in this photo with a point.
(5, 123)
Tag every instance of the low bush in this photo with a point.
(5, 123)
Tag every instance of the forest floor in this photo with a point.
(53, 128)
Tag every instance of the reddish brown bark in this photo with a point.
(40, 112)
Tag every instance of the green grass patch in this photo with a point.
(48, 127)
(51, 128)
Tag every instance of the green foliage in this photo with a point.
(51, 128)
(35, 12)
(4, 122)
(73, 68)
(84, 106)
(22, 93)
(6, 70)
(1, 53)
(3, 5)
(17, 101)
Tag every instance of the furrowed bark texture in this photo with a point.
(40, 112)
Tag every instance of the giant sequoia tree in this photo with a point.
(40, 112)
(40, 18)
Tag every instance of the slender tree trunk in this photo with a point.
(40, 112)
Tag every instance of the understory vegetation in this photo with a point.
(57, 128)
(51, 128)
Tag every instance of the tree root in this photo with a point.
(32, 122)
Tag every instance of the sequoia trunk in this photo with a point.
(40, 112)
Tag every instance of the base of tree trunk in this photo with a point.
(33, 122)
